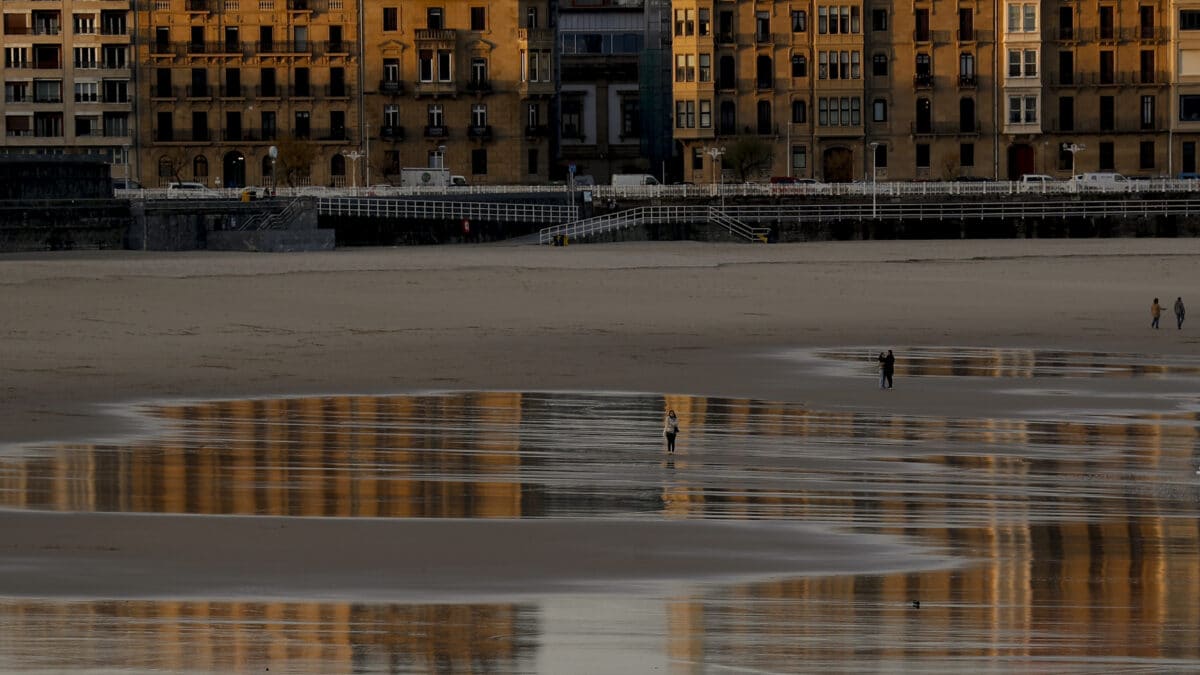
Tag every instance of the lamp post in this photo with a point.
(716, 153)
(1073, 148)
(367, 155)
(873, 145)
(353, 156)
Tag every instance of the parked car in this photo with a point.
(126, 184)
(189, 189)
(1034, 182)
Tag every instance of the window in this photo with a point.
(478, 19)
(684, 22)
(200, 167)
(391, 19)
(921, 23)
(479, 114)
(531, 17)
(1066, 23)
(1189, 108)
(479, 163)
(1106, 23)
(1066, 113)
(799, 66)
(85, 24)
(1148, 106)
(435, 115)
(533, 116)
(1022, 63)
(706, 67)
(531, 161)
(200, 129)
(303, 126)
(879, 65)
(881, 156)
(799, 112)
(437, 159)
(879, 110)
(1107, 113)
(879, 21)
(1189, 19)
(435, 18)
(479, 71)
(762, 26)
(1022, 109)
(1147, 66)
(391, 115)
(1066, 67)
(799, 158)
(799, 21)
(572, 118)
(1146, 155)
(87, 92)
(1106, 156)
(705, 114)
(631, 117)
(1031, 110)
(703, 28)
(425, 65)
(685, 67)
(1022, 17)
(391, 71)
(966, 24)
(922, 155)
(1107, 66)
(697, 158)
(685, 114)
(966, 154)
(85, 57)
(843, 111)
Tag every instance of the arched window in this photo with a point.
(166, 168)
(799, 112)
(200, 167)
(337, 166)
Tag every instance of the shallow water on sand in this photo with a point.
(1078, 529)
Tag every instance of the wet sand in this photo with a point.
(87, 333)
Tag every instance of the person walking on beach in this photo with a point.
(670, 430)
(1155, 312)
(889, 368)
(1179, 313)
(882, 379)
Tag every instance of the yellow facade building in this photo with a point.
(467, 86)
(845, 90)
(223, 81)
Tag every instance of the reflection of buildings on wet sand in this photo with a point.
(228, 637)
(1084, 546)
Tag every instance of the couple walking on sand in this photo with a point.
(887, 367)
(1156, 312)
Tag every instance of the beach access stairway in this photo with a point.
(646, 215)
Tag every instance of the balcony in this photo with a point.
(182, 135)
(441, 37)
(302, 91)
(232, 92)
(336, 47)
(116, 97)
(337, 91)
(270, 92)
(536, 37)
(968, 81)
(541, 88)
(480, 132)
(1093, 126)
(536, 131)
(301, 6)
(284, 48)
(479, 87)
(436, 131)
(1153, 33)
(923, 80)
(197, 91)
(391, 87)
(48, 97)
(929, 128)
(198, 6)
(435, 89)
(392, 133)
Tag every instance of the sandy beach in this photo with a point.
(88, 333)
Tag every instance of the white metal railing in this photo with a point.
(442, 210)
(272, 220)
(739, 219)
(644, 215)
(882, 190)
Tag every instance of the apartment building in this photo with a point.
(68, 78)
(224, 81)
(468, 86)
(846, 90)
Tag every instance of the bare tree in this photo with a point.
(747, 156)
(295, 160)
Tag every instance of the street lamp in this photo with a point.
(367, 164)
(716, 153)
(874, 192)
(1073, 148)
(353, 156)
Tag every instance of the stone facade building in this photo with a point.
(468, 86)
(223, 81)
(68, 78)
(925, 91)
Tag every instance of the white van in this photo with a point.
(633, 179)
(188, 189)
(1101, 181)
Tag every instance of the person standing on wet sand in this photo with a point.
(1155, 312)
(670, 430)
(882, 379)
(1179, 311)
(889, 368)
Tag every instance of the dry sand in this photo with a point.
(84, 329)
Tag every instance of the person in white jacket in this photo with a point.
(670, 430)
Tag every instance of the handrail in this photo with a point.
(442, 209)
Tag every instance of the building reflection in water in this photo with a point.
(1083, 531)
(1020, 363)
